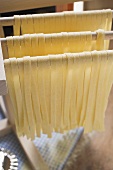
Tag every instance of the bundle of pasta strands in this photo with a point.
(44, 44)
(63, 22)
(59, 92)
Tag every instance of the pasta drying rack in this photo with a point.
(7, 124)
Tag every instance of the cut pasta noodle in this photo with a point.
(12, 91)
(27, 93)
(43, 83)
(54, 77)
(26, 126)
(57, 43)
(60, 92)
(64, 22)
(18, 93)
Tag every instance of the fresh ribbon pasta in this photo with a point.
(44, 92)
(100, 40)
(26, 129)
(63, 22)
(56, 70)
(17, 25)
(60, 92)
(60, 43)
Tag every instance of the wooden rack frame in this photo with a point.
(3, 88)
(7, 124)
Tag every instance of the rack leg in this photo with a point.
(4, 48)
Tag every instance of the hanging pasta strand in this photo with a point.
(99, 116)
(35, 96)
(57, 21)
(72, 104)
(48, 44)
(67, 96)
(26, 128)
(16, 25)
(56, 41)
(105, 89)
(8, 71)
(91, 96)
(58, 95)
(41, 45)
(108, 27)
(80, 84)
(27, 45)
(65, 42)
(30, 27)
(64, 65)
(53, 89)
(34, 44)
(87, 80)
(100, 40)
(24, 24)
(28, 100)
(18, 93)
(48, 22)
(17, 47)
(10, 47)
(42, 79)
(109, 80)
(88, 44)
(22, 44)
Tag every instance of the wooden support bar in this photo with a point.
(9, 21)
(5, 127)
(4, 48)
(3, 87)
(108, 36)
(33, 155)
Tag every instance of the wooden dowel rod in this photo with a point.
(3, 86)
(108, 36)
(9, 21)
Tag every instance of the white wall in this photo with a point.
(78, 6)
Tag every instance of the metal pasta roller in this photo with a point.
(8, 161)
